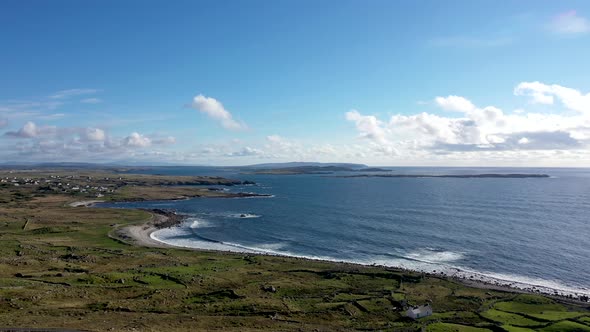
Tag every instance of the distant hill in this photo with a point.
(305, 164)
(311, 170)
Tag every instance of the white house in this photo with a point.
(421, 311)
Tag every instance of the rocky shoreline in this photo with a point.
(189, 196)
(167, 219)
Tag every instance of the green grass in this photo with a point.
(509, 328)
(532, 299)
(528, 308)
(585, 320)
(544, 309)
(509, 318)
(447, 327)
(558, 315)
(566, 326)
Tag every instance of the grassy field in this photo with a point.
(59, 268)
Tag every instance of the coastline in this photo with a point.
(88, 203)
(142, 235)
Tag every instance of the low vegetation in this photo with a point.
(59, 268)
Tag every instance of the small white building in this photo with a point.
(421, 311)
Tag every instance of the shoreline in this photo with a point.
(93, 203)
(142, 235)
(88, 203)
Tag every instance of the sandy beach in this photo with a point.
(90, 203)
(140, 235)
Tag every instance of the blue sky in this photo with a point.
(239, 82)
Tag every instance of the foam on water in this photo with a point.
(426, 260)
(522, 282)
(244, 215)
(198, 223)
(430, 255)
(186, 236)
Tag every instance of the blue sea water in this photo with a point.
(525, 231)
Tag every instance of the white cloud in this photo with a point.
(539, 92)
(33, 131)
(279, 144)
(544, 94)
(524, 140)
(137, 140)
(29, 130)
(91, 101)
(454, 103)
(570, 23)
(65, 94)
(94, 134)
(481, 129)
(19, 109)
(368, 126)
(281, 147)
(245, 152)
(215, 110)
(45, 143)
(3, 123)
(39, 108)
(275, 138)
(165, 140)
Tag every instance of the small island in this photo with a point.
(458, 176)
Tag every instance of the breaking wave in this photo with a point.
(427, 260)
(434, 256)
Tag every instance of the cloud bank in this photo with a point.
(466, 127)
(36, 142)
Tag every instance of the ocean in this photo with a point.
(524, 232)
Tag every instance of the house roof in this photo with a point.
(420, 308)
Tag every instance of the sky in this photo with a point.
(380, 82)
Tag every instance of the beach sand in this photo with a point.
(85, 203)
(140, 235)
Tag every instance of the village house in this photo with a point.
(419, 311)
